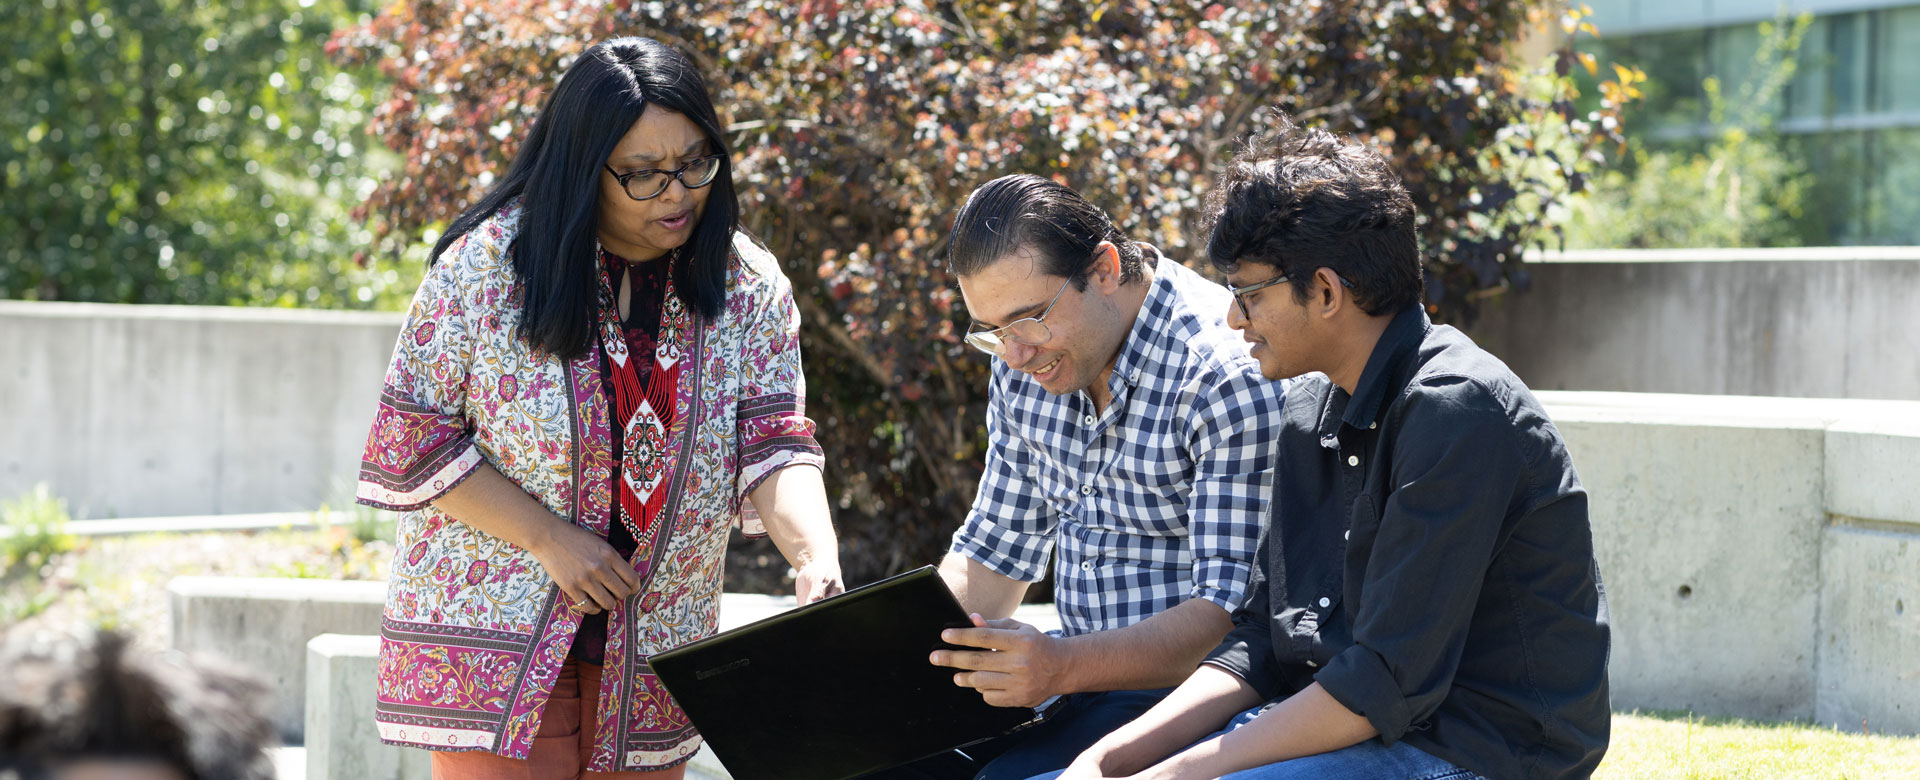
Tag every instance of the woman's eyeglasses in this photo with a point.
(649, 183)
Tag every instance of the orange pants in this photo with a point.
(561, 750)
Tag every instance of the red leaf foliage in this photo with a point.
(860, 125)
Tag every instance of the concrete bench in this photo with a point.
(263, 625)
(342, 743)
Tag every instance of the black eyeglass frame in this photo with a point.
(677, 173)
(1239, 293)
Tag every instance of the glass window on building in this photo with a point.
(1850, 115)
(1834, 68)
(1893, 214)
(1848, 38)
(1674, 100)
(1807, 94)
(1731, 54)
(1896, 69)
(1837, 205)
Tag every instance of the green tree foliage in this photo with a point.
(860, 125)
(184, 151)
(1742, 187)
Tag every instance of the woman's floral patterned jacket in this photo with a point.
(475, 631)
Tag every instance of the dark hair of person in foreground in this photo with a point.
(96, 708)
(1300, 199)
(557, 172)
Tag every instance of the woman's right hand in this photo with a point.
(582, 563)
(586, 568)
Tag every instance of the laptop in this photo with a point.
(835, 689)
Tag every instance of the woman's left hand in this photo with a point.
(818, 580)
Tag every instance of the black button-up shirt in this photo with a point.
(1429, 562)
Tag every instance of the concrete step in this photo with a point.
(262, 625)
(342, 742)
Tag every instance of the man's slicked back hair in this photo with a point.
(1024, 210)
(1301, 199)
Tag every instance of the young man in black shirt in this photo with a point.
(1427, 603)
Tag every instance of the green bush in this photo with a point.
(370, 525)
(188, 152)
(35, 529)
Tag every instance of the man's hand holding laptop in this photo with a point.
(1017, 666)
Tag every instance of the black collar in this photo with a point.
(1386, 372)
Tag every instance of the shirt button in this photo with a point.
(1310, 662)
(1372, 425)
(1087, 419)
(1326, 602)
(1348, 534)
(1086, 565)
(1353, 460)
(1086, 490)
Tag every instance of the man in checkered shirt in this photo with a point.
(1128, 428)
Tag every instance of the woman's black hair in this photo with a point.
(558, 170)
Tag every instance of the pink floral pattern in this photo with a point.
(475, 631)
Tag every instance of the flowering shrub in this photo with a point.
(860, 125)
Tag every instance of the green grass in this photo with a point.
(1676, 746)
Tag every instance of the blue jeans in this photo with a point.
(1077, 722)
(1369, 760)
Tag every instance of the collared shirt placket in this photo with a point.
(1095, 428)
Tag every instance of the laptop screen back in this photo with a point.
(835, 689)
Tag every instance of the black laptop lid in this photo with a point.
(835, 689)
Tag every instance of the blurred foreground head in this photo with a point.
(93, 708)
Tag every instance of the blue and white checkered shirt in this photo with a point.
(1155, 500)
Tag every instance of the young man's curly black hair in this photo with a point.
(1302, 198)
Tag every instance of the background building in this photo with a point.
(1850, 113)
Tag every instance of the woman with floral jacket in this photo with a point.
(599, 377)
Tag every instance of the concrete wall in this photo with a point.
(262, 626)
(140, 411)
(1761, 555)
(1813, 323)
